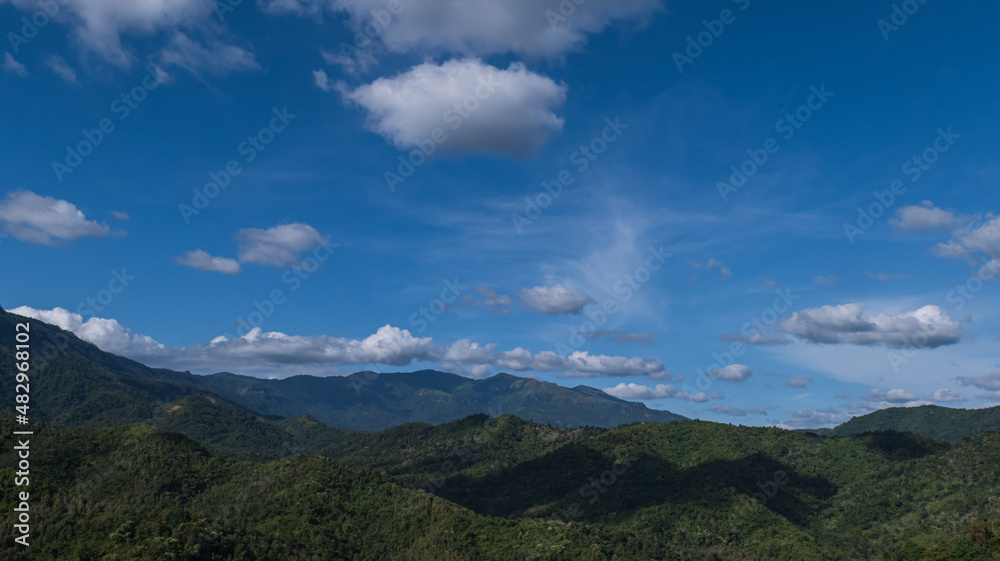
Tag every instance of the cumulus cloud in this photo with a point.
(10, 64)
(43, 220)
(107, 334)
(218, 58)
(275, 353)
(731, 373)
(527, 27)
(985, 382)
(554, 300)
(645, 337)
(479, 108)
(277, 246)
(757, 338)
(847, 324)
(202, 261)
(923, 218)
(896, 395)
(61, 68)
(944, 395)
(737, 412)
(660, 391)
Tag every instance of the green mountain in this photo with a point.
(943, 424)
(84, 386)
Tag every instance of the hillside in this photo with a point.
(84, 386)
(943, 424)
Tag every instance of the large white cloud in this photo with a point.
(660, 391)
(848, 324)
(554, 300)
(37, 219)
(107, 334)
(278, 354)
(477, 107)
(527, 27)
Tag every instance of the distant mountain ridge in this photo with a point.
(943, 424)
(85, 386)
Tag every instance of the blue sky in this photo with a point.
(658, 199)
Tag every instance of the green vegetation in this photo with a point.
(137, 463)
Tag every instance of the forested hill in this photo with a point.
(85, 386)
(944, 424)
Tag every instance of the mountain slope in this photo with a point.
(943, 424)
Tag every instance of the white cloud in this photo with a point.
(982, 236)
(107, 334)
(276, 353)
(887, 276)
(202, 261)
(356, 62)
(847, 324)
(478, 107)
(277, 246)
(923, 218)
(945, 395)
(36, 219)
(554, 300)
(61, 68)
(219, 58)
(731, 373)
(322, 81)
(896, 395)
(10, 64)
(121, 215)
(660, 391)
(479, 26)
(737, 412)
(99, 24)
